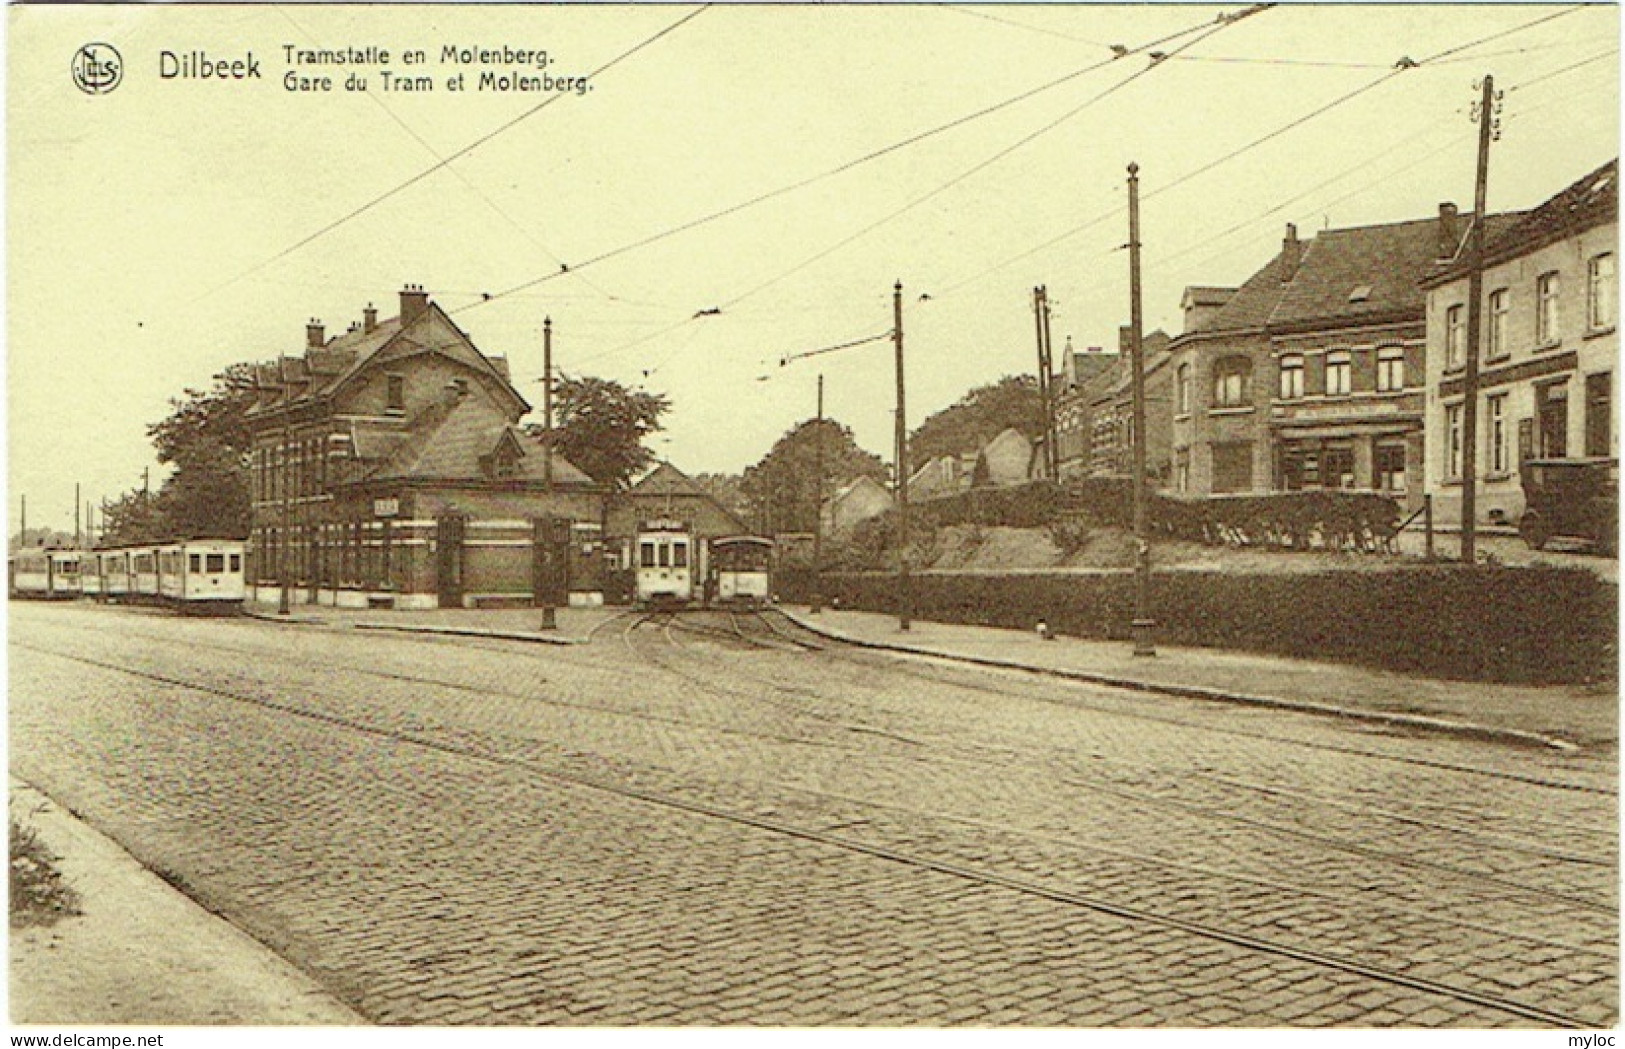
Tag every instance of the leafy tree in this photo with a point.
(206, 438)
(599, 425)
(782, 489)
(978, 417)
(134, 517)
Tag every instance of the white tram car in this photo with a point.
(195, 574)
(676, 568)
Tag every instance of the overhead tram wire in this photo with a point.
(1452, 143)
(459, 154)
(859, 161)
(469, 183)
(1403, 66)
(963, 9)
(990, 161)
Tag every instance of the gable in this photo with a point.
(434, 336)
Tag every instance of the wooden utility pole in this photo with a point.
(547, 401)
(22, 535)
(1052, 451)
(816, 598)
(78, 540)
(1475, 318)
(1143, 626)
(1041, 327)
(905, 595)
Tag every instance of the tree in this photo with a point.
(206, 438)
(978, 417)
(782, 489)
(599, 426)
(727, 489)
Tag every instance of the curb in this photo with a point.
(455, 631)
(1413, 721)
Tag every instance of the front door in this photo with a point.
(449, 560)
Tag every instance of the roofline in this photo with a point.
(1459, 269)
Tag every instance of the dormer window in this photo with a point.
(1361, 293)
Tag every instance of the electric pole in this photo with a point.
(905, 596)
(1045, 368)
(1051, 441)
(22, 535)
(1475, 293)
(547, 400)
(78, 535)
(285, 475)
(817, 597)
(1143, 626)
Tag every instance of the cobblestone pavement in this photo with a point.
(694, 821)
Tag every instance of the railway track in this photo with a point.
(822, 838)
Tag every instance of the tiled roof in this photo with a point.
(1250, 307)
(449, 440)
(1365, 271)
(1588, 203)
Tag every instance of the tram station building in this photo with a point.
(389, 470)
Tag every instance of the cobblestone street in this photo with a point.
(710, 820)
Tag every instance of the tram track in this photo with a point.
(668, 622)
(964, 872)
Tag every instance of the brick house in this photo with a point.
(1111, 411)
(389, 470)
(1547, 351)
(1312, 374)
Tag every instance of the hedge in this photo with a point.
(1526, 625)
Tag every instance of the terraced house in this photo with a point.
(1312, 374)
(389, 469)
(1548, 349)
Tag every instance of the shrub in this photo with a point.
(1527, 625)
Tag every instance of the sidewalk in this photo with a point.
(143, 953)
(1548, 716)
(513, 624)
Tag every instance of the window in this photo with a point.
(646, 555)
(1455, 338)
(679, 554)
(1182, 390)
(1495, 412)
(215, 563)
(1599, 413)
(1388, 464)
(1452, 442)
(1337, 374)
(1337, 466)
(1600, 293)
(397, 394)
(1291, 378)
(1230, 376)
(1552, 412)
(1546, 291)
(1390, 369)
(1500, 345)
(1233, 467)
(236, 562)
(1182, 470)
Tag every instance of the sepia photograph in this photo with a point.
(805, 518)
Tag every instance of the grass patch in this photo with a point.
(39, 895)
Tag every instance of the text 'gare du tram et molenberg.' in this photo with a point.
(323, 70)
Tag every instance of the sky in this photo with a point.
(739, 185)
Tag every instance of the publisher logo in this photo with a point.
(97, 68)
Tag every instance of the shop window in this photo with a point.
(1337, 466)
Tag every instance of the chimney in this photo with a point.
(1125, 338)
(369, 318)
(414, 303)
(1449, 231)
(1291, 254)
(313, 335)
